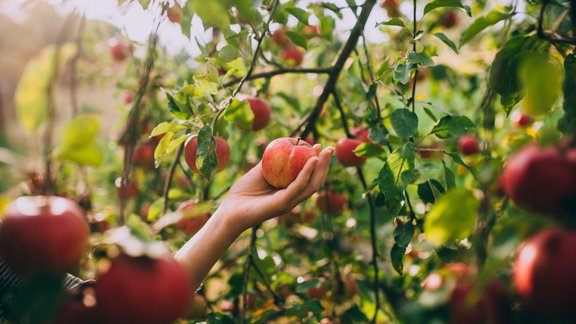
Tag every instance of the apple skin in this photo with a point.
(283, 160)
(521, 120)
(118, 49)
(142, 290)
(43, 234)
(345, 152)
(279, 38)
(191, 226)
(293, 56)
(222, 152)
(468, 145)
(541, 181)
(262, 113)
(331, 202)
(544, 273)
(361, 134)
(175, 13)
(143, 156)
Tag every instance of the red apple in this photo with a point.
(42, 234)
(544, 273)
(222, 152)
(293, 56)
(468, 145)
(262, 113)
(283, 160)
(190, 225)
(331, 202)
(142, 290)
(449, 19)
(143, 155)
(345, 152)
(128, 97)
(392, 8)
(541, 181)
(175, 13)
(361, 134)
(279, 38)
(521, 120)
(197, 307)
(119, 50)
(128, 192)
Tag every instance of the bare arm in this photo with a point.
(251, 200)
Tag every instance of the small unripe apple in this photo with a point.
(468, 145)
(222, 152)
(544, 273)
(541, 181)
(190, 225)
(521, 120)
(142, 290)
(449, 19)
(279, 38)
(283, 160)
(331, 202)
(345, 152)
(42, 234)
(175, 13)
(119, 50)
(262, 113)
(293, 56)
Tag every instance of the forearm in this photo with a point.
(202, 251)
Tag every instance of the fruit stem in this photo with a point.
(298, 140)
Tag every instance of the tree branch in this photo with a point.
(281, 71)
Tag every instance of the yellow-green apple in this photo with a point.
(262, 113)
(190, 223)
(293, 56)
(468, 145)
(345, 152)
(222, 152)
(142, 290)
(283, 160)
(331, 202)
(541, 181)
(544, 273)
(42, 234)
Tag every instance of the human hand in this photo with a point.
(252, 200)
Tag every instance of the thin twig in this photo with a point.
(269, 74)
(168, 182)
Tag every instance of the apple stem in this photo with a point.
(298, 140)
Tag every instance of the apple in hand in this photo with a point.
(544, 273)
(541, 181)
(345, 152)
(119, 50)
(42, 234)
(190, 225)
(175, 13)
(331, 202)
(262, 113)
(142, 290)
(283, 160)
(468, 145)
(293, 56)
(222, 152)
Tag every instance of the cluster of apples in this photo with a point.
(49, 234)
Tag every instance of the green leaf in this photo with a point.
(402, 72)
(392, 22)
(300, 14)
(482, 23)
(449, 176)
(404, 122)
(212, 13)
(162, 147)
(541, 76)
(239, 112)
(175, 109)
(402, 160)
(429, 191)
(447, 41)
(420, 59)
(378, 134)
(237, 67)
(165, 127)
(453, 217)
(297, 39)
(567, 123)
(397, 258)
(403, 234)
(456, 157)
(447, 3)
(452, 126)
(503, 77)
(145, 3)
(228, 53)
(391, 192)
(369, 150)
(206, 158)
(78, 142)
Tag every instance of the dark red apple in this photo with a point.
(521, 120)
(283, 160)
(119, 49)
(544, 273)
(449, 19)
(190, 225)
(468, 145)
(43, 234)
(143, 155)
(127, 192)
(345, 152)
(293, 56)
(222, 152)
(279, 38)
(331, 202)
(175, 13)
(142, 290)
(262, 113)
(541, 181)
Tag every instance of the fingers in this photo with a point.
(301, 181)
(317, 148)
(319, 175)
